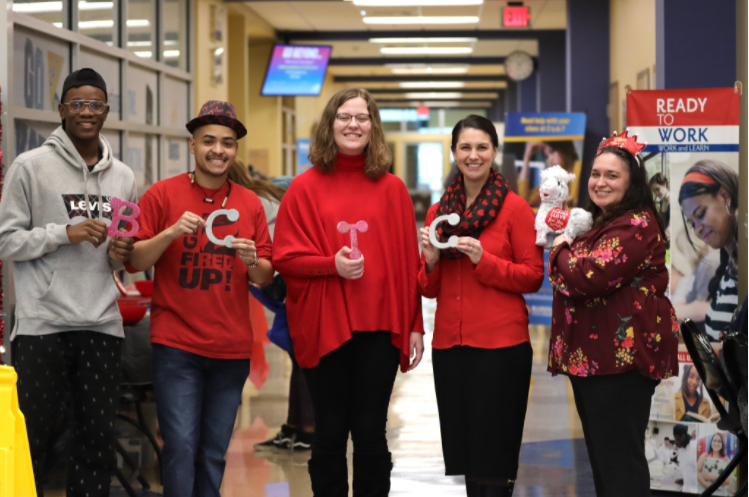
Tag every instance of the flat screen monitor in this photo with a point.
(296, 70)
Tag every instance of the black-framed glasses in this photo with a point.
(360, 118)
(77, 106)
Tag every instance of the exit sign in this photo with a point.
(516, 17)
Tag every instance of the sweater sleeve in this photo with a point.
(298, 237)
(525, 272)
(614, 258)
(429, 283)
(19, 239)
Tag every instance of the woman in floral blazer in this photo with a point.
(614, 332)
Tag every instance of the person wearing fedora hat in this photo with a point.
(200, 316)
(54, 213)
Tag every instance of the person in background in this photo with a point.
(690, 401)
(614, 332)
(495, 262)
(659, 186)
(557, 153)
(69, 329)
(709, 200)
(354, 308)
(298, 431)
(717, 452)
(686, 453)
(201, 333)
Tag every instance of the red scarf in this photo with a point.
(477, 216)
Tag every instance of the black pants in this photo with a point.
(350, 390)
(614, 410)
(87, 365)
(300, 413)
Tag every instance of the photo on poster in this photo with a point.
(704, 222)
(671, 451)
(715, 449)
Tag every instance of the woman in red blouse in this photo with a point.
(345, 244)
(614, 332)
(482, 354)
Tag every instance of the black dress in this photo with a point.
(482, 395)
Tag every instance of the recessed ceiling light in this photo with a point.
(425, 50)
(415, 3)
(422, 20)
(431, 70)
(433, 84)
(423, 40)
(37, 7)
(434, 95)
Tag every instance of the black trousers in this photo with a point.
(85, 364)
(350, 390)
(614, 410)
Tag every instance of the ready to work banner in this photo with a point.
(701, 120)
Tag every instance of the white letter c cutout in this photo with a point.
(452, 242)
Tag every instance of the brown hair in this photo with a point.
(241, 176)
(323, 149)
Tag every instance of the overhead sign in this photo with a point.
(544, 126)
(516, 17)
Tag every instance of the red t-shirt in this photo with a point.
(200, 300)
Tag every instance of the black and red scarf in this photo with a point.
(477, 216)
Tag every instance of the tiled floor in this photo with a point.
(553, 460)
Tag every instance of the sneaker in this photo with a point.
(282, 440)
(302, 441)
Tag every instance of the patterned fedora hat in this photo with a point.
(218, 112)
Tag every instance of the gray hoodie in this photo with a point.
(61, 286)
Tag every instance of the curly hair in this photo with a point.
(323, 148)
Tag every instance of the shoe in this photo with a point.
(301, 441)
(282, 440)
(493, 490)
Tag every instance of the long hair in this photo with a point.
(323, 149)
(722, 444)
(637, 197)
(565, 148)
(239, 174)
(685, 388)
(725, 178)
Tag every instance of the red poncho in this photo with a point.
(324, 308)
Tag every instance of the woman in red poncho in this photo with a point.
(346, 245)
(614, 331)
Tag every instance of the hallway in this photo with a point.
(553, 461)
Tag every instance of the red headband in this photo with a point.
(698, 177)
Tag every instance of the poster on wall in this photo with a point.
(692, 163)
(549, 139)
(40, 66)
(542, 139)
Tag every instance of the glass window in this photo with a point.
(98, 19)
(175, 34)
(141, 28)
(142, 158)
(174, 103)
(141, 96)
(109, 68)
(31, 134)
(40, 65)
(113, 137)
(177, 157)
(51, 12)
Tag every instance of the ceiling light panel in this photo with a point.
(434, 95)
(431, 70)
(422, 20)
(433, 84)
(425, 50)
(415, 3)
(423, 40)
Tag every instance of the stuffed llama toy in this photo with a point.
(552, 218)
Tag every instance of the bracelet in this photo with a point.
(255, 262)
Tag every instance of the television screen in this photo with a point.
(296, 70)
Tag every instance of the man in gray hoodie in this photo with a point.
(68, 330)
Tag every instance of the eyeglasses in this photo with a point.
(360, 118)
(77, 106)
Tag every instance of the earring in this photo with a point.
(728, 209)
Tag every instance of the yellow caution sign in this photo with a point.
(16, 473)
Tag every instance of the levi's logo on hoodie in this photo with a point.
(76, 206)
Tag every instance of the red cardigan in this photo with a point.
(482, 305)
(610, 313)
(324, 308)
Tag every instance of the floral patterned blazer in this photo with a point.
(610, 313)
